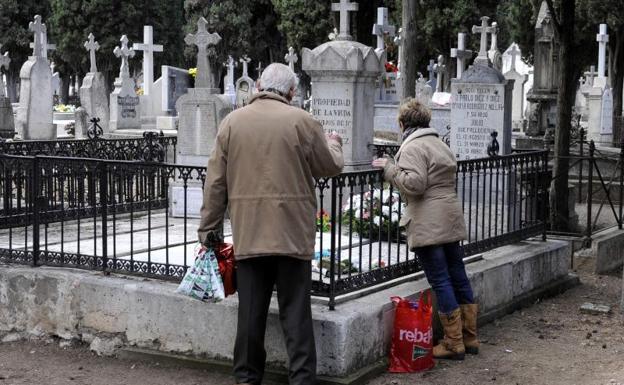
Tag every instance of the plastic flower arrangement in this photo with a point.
(64, 108)
(391, 67)
(375, 215)
(193, 72)
(323, 221)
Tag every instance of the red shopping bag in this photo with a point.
(412, 343)
(227, 267)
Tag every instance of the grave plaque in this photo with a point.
(606, 116)
(176, 82)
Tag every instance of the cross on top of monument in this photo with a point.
(590, 75)
(40, 45)
(383, 28)
(603, 36)
(483, 29)
(344, 7)
(231, 64)
(245, 60)
(461, 53)
(91, 45)
(148, 45)
(202, 38)
(514, 52)
(124, 53)
(494, 31)
(291, 58)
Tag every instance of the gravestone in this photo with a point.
(517, 110)
(125, 107)
(244, 85)
(34, 114)
(432, 82)
(7, 123)
(200, 112)
(606, 118)
(151, 99)
(481, 105)
(424, 92)
(543, 96)
(441, 74)
(344, 75)
(201, 109)
(493, 54)
(228, 81)
(173, 84)
(585, 84)
(461, 54)
(594, 95)
(93, 92)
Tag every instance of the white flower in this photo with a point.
(385, 210)
(377, 220)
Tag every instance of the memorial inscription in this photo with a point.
(335, 114)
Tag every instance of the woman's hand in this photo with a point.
(380, 163)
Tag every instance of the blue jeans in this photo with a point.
(444, 267)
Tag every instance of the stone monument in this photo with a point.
(125, 107)
(7, 124)
(594, 94)
(149, 108)
(228, 81)
(461, 54)
(344, 75)
(93, 95)
(35, 111)
(387, 82)
(244, 84)
(433, 82)
(517, 110)
(441, 74)
(481, 106)
(493, 54)
(200, 112)
(543, 96)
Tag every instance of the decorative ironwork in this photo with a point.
(493, 148)
(153, 150)
(95, 131)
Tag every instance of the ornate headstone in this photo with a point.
(344, 75)
(461, 54)
(202, 39)
(244, 84)
(606, 117)
(34, 114)
(481, 106)
(597, 108)
(93, 93)
(543, 96)
(518, 90)
(7, 124)
(125, 107)
(484, 29)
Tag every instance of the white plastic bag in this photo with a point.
(203, 281)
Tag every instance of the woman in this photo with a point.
(424, 172)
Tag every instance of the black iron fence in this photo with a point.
(141, 218)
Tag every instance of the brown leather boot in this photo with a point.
(452, 346)
(469, 330)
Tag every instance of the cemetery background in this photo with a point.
(112, 215)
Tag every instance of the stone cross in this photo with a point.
(333, 34)
(514, 52)
(202, 39)
(440, 69)
(4, 64)
(494, 29)
(229, 77)
(590, 75)
(40, 46)
(259, 69)
(344, 7)
(483, 29)
(245, 60)
(124, 53)
(92, 46)
(291, 58)
(383, 28)
(398, 41)
(148, 47)
(461, 54)
(431, 69)
(602, 38)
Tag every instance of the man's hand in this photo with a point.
(380, 163)
(334, 135)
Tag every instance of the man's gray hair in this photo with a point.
(278, 77)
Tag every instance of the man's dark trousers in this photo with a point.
(256, 278)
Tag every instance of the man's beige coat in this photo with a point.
(262, 170)
(424, 172)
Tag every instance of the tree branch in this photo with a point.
(553, 14)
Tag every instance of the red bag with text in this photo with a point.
(412, 337)
(227, 267)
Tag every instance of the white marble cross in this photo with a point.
(91, 45)
(483, 29)
(514, 52)
(148, 47)
(4, 64)
(344, 7)
(291, 58)
(602, 38)
(40, 45)
(124, 53)
(229, 77)
(440, 69)
(383, 28)
(202, 39)
(245, 60)
(590, 75)
(461, 54)
(431, 69)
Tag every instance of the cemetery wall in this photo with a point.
(115, 312)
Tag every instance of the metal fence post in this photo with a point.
(36, 204)
(545, 197)
(332, 257)
(103, 176)
(590, 194)
(581, 148)
(621, 167)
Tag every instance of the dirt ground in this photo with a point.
(551, 342)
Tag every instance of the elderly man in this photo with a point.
(262, 170)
